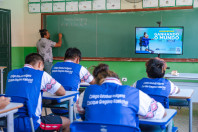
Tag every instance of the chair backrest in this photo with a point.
(162, 99)
(86, 126)
(26, 108)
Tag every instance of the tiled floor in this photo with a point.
(181, 120)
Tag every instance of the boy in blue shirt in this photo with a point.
(29, 82)
(155, 84)
(70, 73)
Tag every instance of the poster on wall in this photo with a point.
(34, 0)
(34, 8)
(150, 3)
(71, 6)
(46, 7)
(127, 4)
(99, 4)
(195, 4)
(85, 6)
(167, 3)
(113, 4)
(184, 2)
(59, 7)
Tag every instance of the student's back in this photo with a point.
(110, 102)
(67, 74)
(70, 73)
(155, 84)
(25, 83)
(116, 104)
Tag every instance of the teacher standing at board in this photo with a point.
(44, 47)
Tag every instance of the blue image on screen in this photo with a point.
(159, 40)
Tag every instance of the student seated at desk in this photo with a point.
(108, 101)
(30, 82)
(155, 84)
(70, 73)
(4, 102)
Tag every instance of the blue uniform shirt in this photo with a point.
(25, 82)
(67, 74)
(111, 103)
(157, 86)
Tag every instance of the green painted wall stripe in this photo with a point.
(131, 70)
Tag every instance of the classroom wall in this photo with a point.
(25, 34)
(24, 30)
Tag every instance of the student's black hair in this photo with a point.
(43, 32)
(101, 72)
(33, 58)
(156, 68)
(72, 53)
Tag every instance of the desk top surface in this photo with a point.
(11, 106)
(47, 95)
(170, 114)
(183, 94)
(188, 76)
(83, 84)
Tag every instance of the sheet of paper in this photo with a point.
(84, 5)
(99, 5)
(195, 4)
(34, 0)
(150, 3)
(184, 2)
(125, 4)
(58, 6)
(46, 7)
(71, 6)
(167, 3)
(34, 7)
(113, 4)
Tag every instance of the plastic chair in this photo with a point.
(27, 108)
(86, 126)
(162, 99)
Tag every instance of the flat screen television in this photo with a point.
(159, 40)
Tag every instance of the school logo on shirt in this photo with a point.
(19, 78)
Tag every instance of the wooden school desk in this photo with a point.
(1, 68)
(184, 98)
(164, 122)
(69, 96)
(9, 111)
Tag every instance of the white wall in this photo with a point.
(24, 26)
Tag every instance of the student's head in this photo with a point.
(156, 68)
(44, 33)
(36, 60)
(145, 35)
(101, 72)
(73, 54)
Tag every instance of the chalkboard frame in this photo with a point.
(43, 24)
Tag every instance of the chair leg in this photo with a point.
(45, 111)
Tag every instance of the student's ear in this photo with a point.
(77, 60)
(40, 65)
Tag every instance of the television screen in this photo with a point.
(159, 40)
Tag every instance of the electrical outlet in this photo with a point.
(124, 79)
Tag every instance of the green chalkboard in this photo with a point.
(113, 34)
